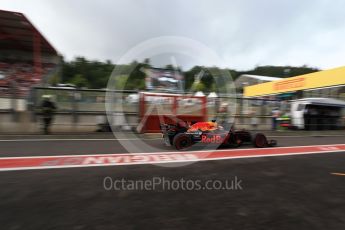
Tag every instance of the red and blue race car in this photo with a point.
(183, 135)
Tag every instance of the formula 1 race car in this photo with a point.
(183, 135)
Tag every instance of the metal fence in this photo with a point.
(88, 101)
(84, 107)
(81, 100)
(91, 101)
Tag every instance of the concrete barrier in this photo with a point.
(28, 123)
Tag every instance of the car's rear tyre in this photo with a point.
(235, 140)
(260, 140)
(182, 141)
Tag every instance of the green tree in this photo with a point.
(199, 87)
(79, 81)
(55, 79)
(95, 74)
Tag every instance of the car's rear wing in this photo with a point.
(174, 127)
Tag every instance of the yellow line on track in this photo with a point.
(338, 174)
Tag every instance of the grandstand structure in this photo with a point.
(26, 56)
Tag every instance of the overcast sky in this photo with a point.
(244, 33)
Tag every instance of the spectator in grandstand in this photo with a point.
(48, 109)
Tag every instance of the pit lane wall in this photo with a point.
(25, 123)
(82, 111)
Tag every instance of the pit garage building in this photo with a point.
(248, 80)
(327, 83)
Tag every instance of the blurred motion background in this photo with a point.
(31, 67)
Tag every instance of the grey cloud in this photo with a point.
(244, 33)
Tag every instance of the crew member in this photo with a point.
(48, 109)
(275, 115)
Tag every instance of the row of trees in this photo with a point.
(95, 74)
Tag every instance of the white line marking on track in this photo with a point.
(307, 136)
(161, 162)
(169, 152)
(28, 163)
(95, 139)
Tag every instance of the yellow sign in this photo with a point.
(319, 79)
(289, 84)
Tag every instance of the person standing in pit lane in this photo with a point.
(275, 115)
(48, 109)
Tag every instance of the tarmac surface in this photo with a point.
(285, 192)
(50, 145)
